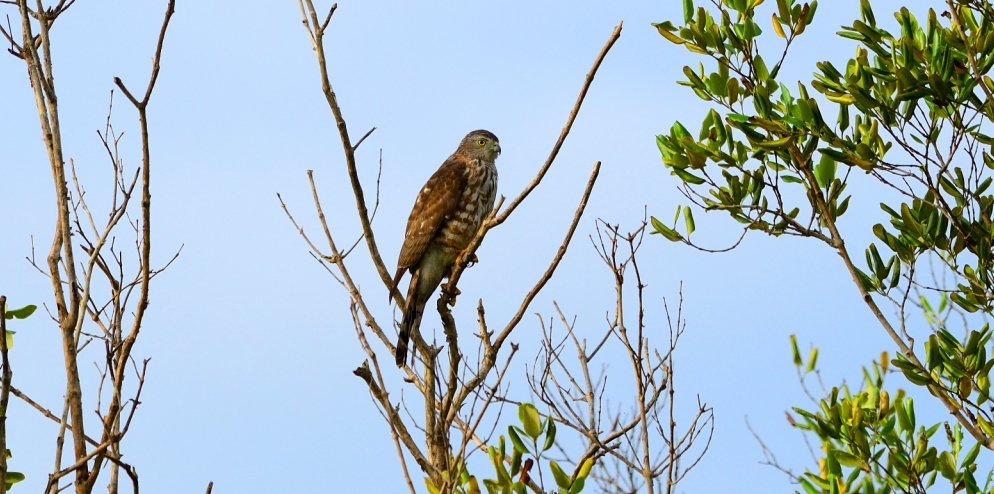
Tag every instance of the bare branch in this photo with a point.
(363, 138)
(315, 31)
(569, 125)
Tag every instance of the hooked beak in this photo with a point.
(496, 148)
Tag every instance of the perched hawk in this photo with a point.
(446, 216)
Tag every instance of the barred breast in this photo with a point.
(476, 203)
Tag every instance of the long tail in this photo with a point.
(411, 322)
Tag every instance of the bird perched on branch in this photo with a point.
(445, 218)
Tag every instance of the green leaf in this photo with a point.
(947, 466)
(503, 478)
(491, 485)
(843, 117)
(797, 352)
(761, 71)
(562, 480)
(848, 459)
(678, 131)
(808, 488)
(971, 456)
(688, 217)
(784, 10)
(688, 177)
(825, 170)
(688, 11)
(706, 125)
(577, 486)
(694, 78)
(12, 478)
(21, 313)
(812, 359)
(431, 487)
(843, 206)
(530, 419)
(672, 38)
(519, 445)
(867, 12)
(665, 231)
(775, 145)
(866, 282)
(587, 465)
(803, 111)
(906, 414)
(550, 435)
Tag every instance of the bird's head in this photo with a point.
(480, 144)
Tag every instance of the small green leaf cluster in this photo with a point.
(671, 233)
(912, 89)
(959, 367)
(928, 72)
(525, 441)
(767, 156)
(782, 131)
(12, 478)
(467, 484)
(873, 444)
(21, 313)
(513, 471)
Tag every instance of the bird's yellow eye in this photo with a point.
(482, 142)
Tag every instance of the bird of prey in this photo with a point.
(445, 218)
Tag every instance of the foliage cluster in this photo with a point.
(911, 110)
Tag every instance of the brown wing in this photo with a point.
(436, 203)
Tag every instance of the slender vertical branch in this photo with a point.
(316, 31)
(4, 393)
(497, 217)
(566, 128)
(72, 290)
(60, 257)
(111, 419)
(671, 468)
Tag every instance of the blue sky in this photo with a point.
(251, 342)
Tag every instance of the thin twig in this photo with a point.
(363, 138)
(315, 31)
(566, 129)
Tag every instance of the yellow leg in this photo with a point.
(452, 301)
(463, 259)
